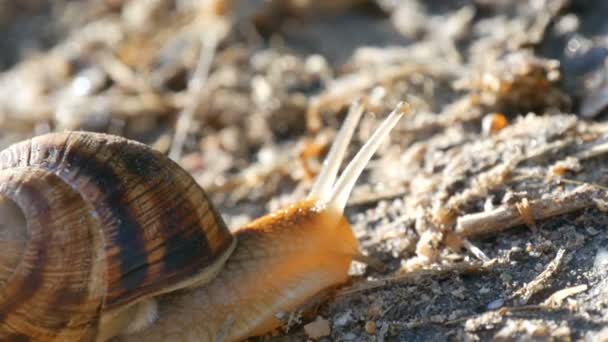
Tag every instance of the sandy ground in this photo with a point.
(486, 212)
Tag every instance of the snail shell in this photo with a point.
(91, 224)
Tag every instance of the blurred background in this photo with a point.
(236, 91)
(240, 79)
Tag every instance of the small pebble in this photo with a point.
(343, 319)
(350, 337)
(496, 304)
(484, 290)
(370, 327)
(318, 328)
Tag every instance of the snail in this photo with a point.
(103, 237)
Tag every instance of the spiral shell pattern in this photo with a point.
(90, 223)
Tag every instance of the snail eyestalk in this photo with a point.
(327, 177)
(340, 191)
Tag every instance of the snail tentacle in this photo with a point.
(321, 190)
(345, 184)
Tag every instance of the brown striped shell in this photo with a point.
(90, 223)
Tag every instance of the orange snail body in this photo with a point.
(101, 236)
(273, 270)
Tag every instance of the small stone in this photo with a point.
(343, 319)
(318, 328)
(484, 290)
(496, 304)
(349, 336)
(370, 327)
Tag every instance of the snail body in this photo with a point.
(101, 236)
(272, 271)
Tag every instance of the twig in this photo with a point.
(558, 297)
(488, 315)
(464, 267)
(540, 282)
(505, 217)
(370, 198)
(196, 85)
(476, 251)
(592, 152)
(576, 182)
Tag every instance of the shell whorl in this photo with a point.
(106, 222)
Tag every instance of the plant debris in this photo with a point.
(464, 217)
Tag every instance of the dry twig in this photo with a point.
(493, 221)
(433, 271)
(195, 91)
(558, 297)
(540, 282)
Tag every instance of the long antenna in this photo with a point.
(321, 190)
(345, 184)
